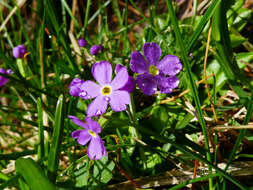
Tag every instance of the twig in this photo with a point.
(238, 127)
(205, 62)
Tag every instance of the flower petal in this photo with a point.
(167, 84)
(147, 84)
(130, 85)
(169, 65)
(152, 52)
(93, 125)
(96, 149)
(89, 90)
(3, 80)
(102, 72)
(83, 136)
(74, 87)
(120, 79)
(138, 63)
(77, 121)
(97, 107)
(119, 99)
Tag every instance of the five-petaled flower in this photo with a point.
(152, 72)
(19, 51)
(4, 80)
(106, 91)
(96, 149)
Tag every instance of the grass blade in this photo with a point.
(208, 14)
(54, 154)
(41, 130)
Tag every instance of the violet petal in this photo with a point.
(95, 149)
(138, 63)
(3, 80)
(167, 84)
(152, 52)
(120, 79)
(130, 85)
(118, 100)
(84, 137)
(89, 90)
(147, 83)
(77, 121)
(97, 107)
(170, 65)
(102, 72)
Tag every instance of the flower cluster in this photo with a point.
(115, 92)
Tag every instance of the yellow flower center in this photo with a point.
(153, 70)
(92, 133)
(106, 90)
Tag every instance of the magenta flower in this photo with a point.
(152, 72)
(96, 149)
(107, 91)
(19, 51)
(4, 80)
(74, 87)
(82, 42)
(130, 85)
(95, 49)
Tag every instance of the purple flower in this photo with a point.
(95, 49)
(19, 51)
(82, 42)
(74, 87)
(4, 80)
(152, 72)
(96, 148)
(106, 91)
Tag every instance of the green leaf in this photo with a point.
(102, 170)
(33, 174)
(55, 148)
(82, 174)
(237, 40)
(242, 58)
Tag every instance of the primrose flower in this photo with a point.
(96, 149)
(4, 80)
(95, 49)
(107, 91)
(19, 51)
(152, 72)
(130, 85)
(74, 87)
(82, 42)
